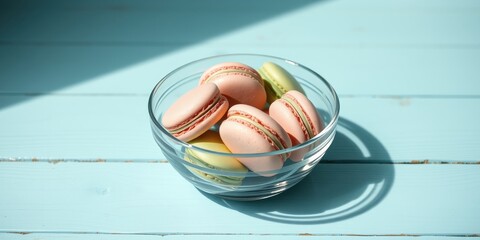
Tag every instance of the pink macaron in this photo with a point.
(299, 117)
(250, 130)
(238, 82)
(195, 112)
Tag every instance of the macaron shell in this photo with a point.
(211, 140)
(242, 86)
(185, 108)
(308, 109)
(245, 138)
(277, 81)
(219, 179)
(263, 119)
(242, 139)
(226, 66)
(206, 123)
(189, 105)
(283, 115)
(239, 90)
(292, 122)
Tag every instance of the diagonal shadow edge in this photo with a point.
(43, 52)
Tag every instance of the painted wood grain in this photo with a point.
(83, 236)
(299, 22)
(356, 71)
(150, 198)
(109, 128)
(77, 159)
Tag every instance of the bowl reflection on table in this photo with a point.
(355, 175)
(253, 186)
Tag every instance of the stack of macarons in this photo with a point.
(253, 111)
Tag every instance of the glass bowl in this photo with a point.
(242, 185)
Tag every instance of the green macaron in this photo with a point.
(277, 81)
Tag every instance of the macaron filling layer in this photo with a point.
(232, 70)
(204, 113)
(271, 86)
(298, 111)
(270, 135)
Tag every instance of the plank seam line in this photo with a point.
(159, 43)
(97, 160)
(38, 94)
(415, 162)
(379, 96)
(468, 235)
(404, 96)
(98, 43)
(323, 161)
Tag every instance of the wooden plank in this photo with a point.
(135, 69)
(336, 199)
(77, 127)
(336, 22)
(73, 236)
(407, 129)
(74, 79)
(117, 128)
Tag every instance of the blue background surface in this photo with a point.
(77, 159)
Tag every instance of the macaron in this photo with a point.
(299, 117)
(250, 130)
(211, 140)
(241, 84)
(195, 112)
(277, 81)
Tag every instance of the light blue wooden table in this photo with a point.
(77, 159)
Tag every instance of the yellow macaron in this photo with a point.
(211, 140)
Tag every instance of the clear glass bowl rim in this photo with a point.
(327, 129)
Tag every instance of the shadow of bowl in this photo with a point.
(355, 175)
